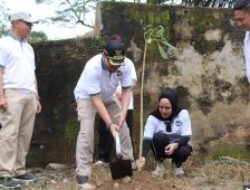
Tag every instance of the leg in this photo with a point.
(10, 120)
(105, 142)
(127, 150)
(160, 141)
(130, 122)
(85, 139)
(25, 133)
(181, 154)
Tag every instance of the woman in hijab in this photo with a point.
(168, 131)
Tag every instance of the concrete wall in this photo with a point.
(208, 73)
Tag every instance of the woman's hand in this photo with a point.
(169, 149)
(140, 163)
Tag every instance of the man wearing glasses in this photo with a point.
(19, 101)
(95, 93)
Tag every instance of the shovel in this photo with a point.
(120, 168)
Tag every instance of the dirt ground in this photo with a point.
(224, 174)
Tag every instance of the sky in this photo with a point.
(42, 11)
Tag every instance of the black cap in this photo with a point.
(241, 4)
(114, 45)
(115, 51)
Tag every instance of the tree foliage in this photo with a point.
(4, 19)
(37, 37)
(199, 3)
(208, 3)
(152, 35)
(71, 12)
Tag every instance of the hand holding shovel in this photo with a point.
(113, 128)
(118, 149)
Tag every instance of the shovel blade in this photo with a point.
(120, 169)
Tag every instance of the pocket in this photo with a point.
(85, 109)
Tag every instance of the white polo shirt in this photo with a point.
(18, 59)
(134, 78)
(181, 125)
(95, 79)
(247, 54)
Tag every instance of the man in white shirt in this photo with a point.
(242, 18)
(106, 140)
(94, 93)
(19, 101)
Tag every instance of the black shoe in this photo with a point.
(9, 183)
(28, 177)
(82, 182)
(246, 187)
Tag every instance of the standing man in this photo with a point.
(19, 101)
(242, 18)
(95, 93)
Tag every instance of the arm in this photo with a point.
(185, 135)
(101, 109)
(38, 104)
(3, 102)
(124, 101)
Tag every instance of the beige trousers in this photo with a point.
(85, 140)
(15, 134)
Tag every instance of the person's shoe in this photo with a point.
(246, 187)
(101, 163)
(82, 182)
(159, 169)
(8, 183)
(27, 177)
(178, 171)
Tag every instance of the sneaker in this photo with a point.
(178, 171)
(8, 183)
(246, 187)
(27, 177)
(159, 169)
(101, 163)
(82, 182)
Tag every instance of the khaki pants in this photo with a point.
(16, 132)
(85, 139)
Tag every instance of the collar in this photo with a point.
(13, 35)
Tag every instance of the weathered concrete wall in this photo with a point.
(208, 73)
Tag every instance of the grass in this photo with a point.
(226, 173)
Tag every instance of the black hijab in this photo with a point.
(172, 97)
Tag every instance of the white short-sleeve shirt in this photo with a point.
(247, 54)
(181, 125)
(95, 79)
(119, 88)
(18, 59)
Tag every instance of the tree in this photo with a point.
(151, 35)
(209, 3)
(37, 37)
(4, 19)
(71, 12)
(200, 3)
